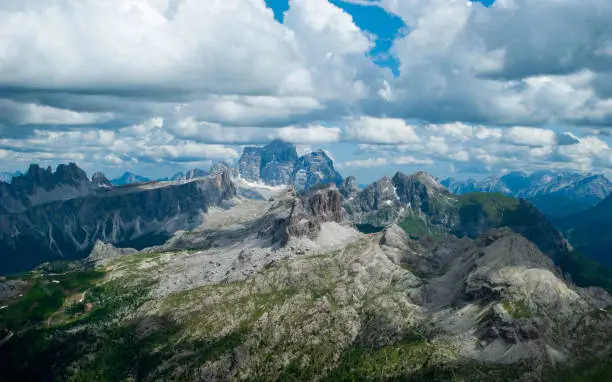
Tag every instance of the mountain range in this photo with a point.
(278, 283)
(554, 193)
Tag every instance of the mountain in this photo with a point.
(425, 209)
(129, 178)
(7, 177)
(190, 174)
(589, 231)
(555, 193)
(39, 186)
(98, 179)
(279, 164)
(313, 169)
(284, 288)
(219, 167)
(136, 216)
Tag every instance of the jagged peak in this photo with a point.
(422, 177)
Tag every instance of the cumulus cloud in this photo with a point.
(381, 130)
(182, 81)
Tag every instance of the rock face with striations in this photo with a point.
(278, 164)
(135, 216)
(308, 212)
(272, 164)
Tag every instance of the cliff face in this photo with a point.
(132, 216)
(278, 164)
(100, 180)
(313, 169)
(38, 186)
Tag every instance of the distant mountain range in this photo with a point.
(554, 193)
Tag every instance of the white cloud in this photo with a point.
(381, 130)
(308, 134)
(370, 162)
(530, 136)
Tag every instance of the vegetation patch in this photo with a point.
(518, 309)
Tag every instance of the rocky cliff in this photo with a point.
(278, 164)
(100, 180)
(39, 186)
(137, 215)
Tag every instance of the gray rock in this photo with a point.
(103, 251)
(133, 215)
(315, 168)
(100, 180)
(11, 289)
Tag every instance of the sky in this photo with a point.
(456, 88)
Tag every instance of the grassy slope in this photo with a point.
(478, 212)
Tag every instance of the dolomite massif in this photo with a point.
(278, 284)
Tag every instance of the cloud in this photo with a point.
(458, 62)
(380, 130)
(188, 81)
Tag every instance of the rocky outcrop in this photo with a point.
(349, 187)
(100, 180)
(278, 164)
(11, 289)
(193, 173)
(313, 169)
(138, 216)
(39, 186)
(219, 167)
(308, 212)
(377, 204)
(103, 251)
(272, 164)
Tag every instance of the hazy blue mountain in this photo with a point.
(556, 193)
(129, 178)
(190, 174)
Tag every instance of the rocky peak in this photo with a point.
(315, 168)
(272, 164)
(418, 190)
(190, 174)
(349, 187)
(70, 174)
(100, 180)
(309, 211)
(129, 178)
(40, 186)
(219, 167)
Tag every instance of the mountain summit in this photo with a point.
(278, 163)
